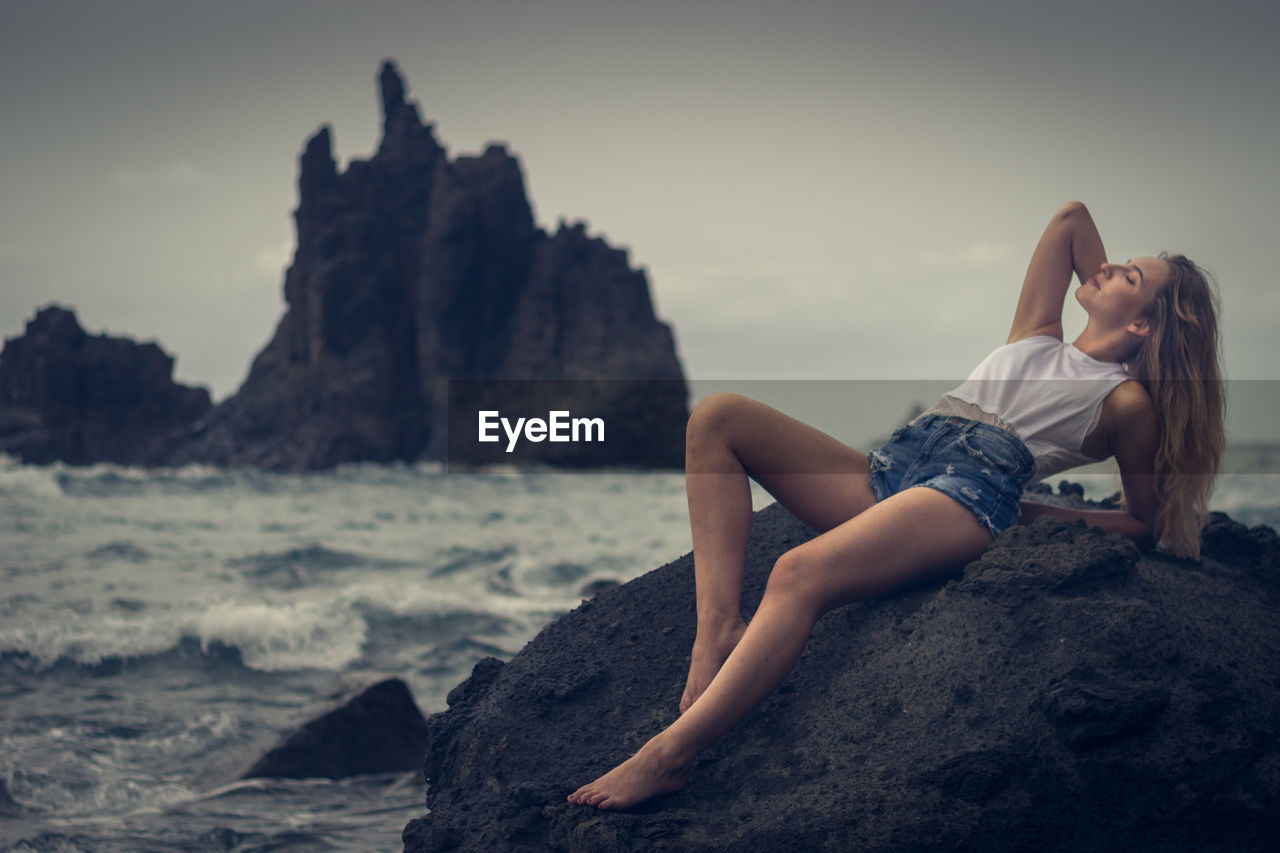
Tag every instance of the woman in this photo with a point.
(935, 496)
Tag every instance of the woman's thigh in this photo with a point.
(918, 535)
(820, 480)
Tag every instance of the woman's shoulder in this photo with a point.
(1130, 416)
(1130, 399)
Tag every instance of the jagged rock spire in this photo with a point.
(392, 86)
(403, 135)
(318, 168)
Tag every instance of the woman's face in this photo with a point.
(1119, 293)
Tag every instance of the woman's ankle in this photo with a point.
(718, 628)
(669, 753)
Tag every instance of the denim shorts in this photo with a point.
(983, 467)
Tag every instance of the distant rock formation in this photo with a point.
(79, 398)
(1067, 692)
(413, 269)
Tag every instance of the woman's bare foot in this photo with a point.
(645, 775)
(709, 654)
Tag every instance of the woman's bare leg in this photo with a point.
(728, 438)
(917, 535)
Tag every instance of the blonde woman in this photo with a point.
(1140, 383)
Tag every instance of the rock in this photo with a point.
(413, 269)
(1065, 692)
(1229, 541)
(380, 730)
(1069, 489)
(79, 398)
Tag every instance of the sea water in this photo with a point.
(157, 626)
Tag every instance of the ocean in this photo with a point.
(156, 625)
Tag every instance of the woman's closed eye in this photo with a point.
(1133, 273)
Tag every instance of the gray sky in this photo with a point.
(838, 190)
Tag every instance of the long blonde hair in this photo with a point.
(1178, 363)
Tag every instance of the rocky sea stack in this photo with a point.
(1067, 692)
(69, 396)
(420, 286)
(413, 269)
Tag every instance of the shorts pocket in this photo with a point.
(1000, 450)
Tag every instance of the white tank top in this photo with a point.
(1048, 392)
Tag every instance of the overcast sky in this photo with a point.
(817, 190)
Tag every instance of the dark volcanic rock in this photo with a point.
(67, 395)
(380, 730)
(413, 269)
(1067, 692)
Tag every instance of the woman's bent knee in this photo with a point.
(716, 410)
(716, 417)
(798, 578)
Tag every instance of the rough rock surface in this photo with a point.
(412, 269)
(1067, 692)
(380, 730)
(80, 398)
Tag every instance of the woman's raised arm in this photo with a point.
(1070, 243)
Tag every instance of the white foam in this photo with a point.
(91, 640)
(293, 635)
(269, 637)
(36, 480)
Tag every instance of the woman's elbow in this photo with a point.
(1072, 209)
(1143, 532)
